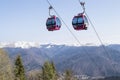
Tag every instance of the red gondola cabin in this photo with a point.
(53, 23)
(80, 22)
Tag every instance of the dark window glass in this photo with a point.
(80, 20)
(58, 22)
(74, 21)
(50, 22)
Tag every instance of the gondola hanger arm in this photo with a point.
(83, 6)
(50, 8)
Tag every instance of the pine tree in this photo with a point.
(49, 71)
(19, 69)
(55, 76)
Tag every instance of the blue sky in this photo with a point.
(24, 20)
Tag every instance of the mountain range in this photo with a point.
(92, 60)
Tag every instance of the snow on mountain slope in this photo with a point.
(24, 44)
(21, 44)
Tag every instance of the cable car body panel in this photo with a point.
(53, 23)
(80, 22)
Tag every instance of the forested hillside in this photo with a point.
(96, 62)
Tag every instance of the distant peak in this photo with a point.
(25, 44)
(21, 44)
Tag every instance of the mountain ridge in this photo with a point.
(93, 63)
(26, 44)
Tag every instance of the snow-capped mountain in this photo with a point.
(95, 62)
(21, 44)
(24, 44)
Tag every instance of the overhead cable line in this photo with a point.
(65, 24)
(74, 36)
(100, 40)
